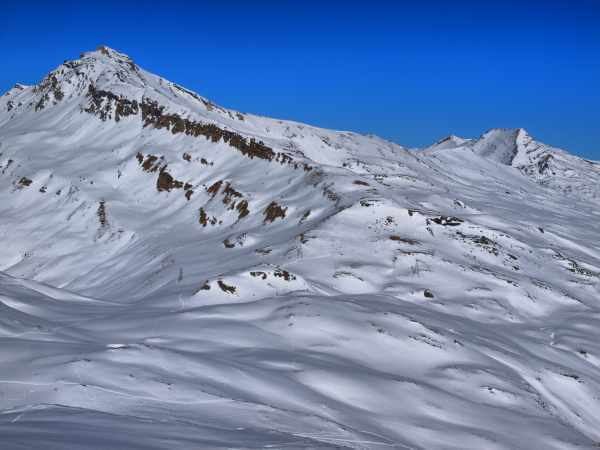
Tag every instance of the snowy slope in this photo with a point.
(178, 275)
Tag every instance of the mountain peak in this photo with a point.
(489, 143)
(104, 53)
(503, 145)
(106, 58)
(515, 135)
(103, 68)
(451, 141)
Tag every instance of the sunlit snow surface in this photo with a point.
(440, 299)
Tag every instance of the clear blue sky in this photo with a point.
(412, 72)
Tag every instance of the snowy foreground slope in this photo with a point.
(175, 275)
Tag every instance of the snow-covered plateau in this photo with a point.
(177, 275)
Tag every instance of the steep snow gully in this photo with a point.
(177, 275)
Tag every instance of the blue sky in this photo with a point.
(411, 72)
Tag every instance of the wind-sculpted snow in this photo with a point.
(165, 289)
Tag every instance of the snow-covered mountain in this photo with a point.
(547, 165)
(178, 275)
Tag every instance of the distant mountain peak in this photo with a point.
(451, 141)
(504, 145)
(506, 131)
